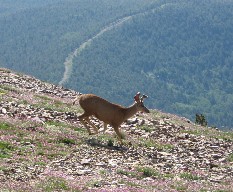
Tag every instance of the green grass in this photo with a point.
(128, 173)
(227, 136)
(42, 97)
(38, 146)
(153, 143)
(67, 141)
(40, 163)
(189, 176)
(66, 126)
(158, 115)
(2, 91)
(5, 145)
(179, 186)
(130, 184)
(142, 172)
(3, 168)
(51, 103)
(5, 149)
(148, 172)
(146, 142)
(4, 155)
(168, 175)
(94, 183)
(221, 190)
(55, 123)
(47, 103)
(106, 138)
(147, 128)
(6, 88)
(5, 126)
(211, 133)
(230, 157)
(54, 184)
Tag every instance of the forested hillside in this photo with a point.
(37, 40)
(180, 52)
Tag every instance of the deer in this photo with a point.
(110, 113)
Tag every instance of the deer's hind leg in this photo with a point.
(81, 119)
(94, 127)
(119, 134)
(104, 127)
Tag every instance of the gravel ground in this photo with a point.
(161, 152)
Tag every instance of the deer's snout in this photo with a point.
(146, 110)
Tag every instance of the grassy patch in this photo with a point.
(32, 142)
(2, 91)
(4, 126)
(153, 143)
(147, 128)
(94, 183)
(50, 103)
(66, 141)
(107, 139)
(189, 176)
(5, 149)
(6, 88)
(158, 115)
(227, 136)
(5, 145)
(60, 126)
(197, 132)
(230, 157)
(168, 176)
(55, 123)
(147, 142)
(54, 184)
(141, 172)
(45, 102)
(148, 172)
(131, 184)
(40, 163)
(42, 97)
(179, 186)
(4, 169)
(128, 173)
(211, 133)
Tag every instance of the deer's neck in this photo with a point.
(130, 111)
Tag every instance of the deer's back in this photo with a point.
(104, 110)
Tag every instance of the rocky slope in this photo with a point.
(43, 147)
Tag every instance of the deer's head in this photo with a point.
(139, 102)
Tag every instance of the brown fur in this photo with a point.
(107, 112)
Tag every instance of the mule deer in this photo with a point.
(107, 112)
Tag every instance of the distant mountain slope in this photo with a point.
(16, 6)
(178, 52)
(37, 39)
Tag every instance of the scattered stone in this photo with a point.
(86, 162)
(163, 146)
(4, 111)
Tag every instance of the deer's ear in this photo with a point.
(143, 97)
(137, 97)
